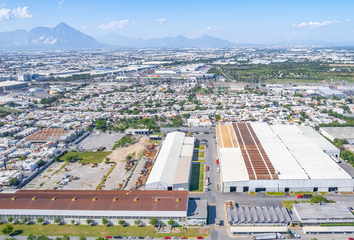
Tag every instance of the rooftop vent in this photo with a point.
(115, 199)
(54, 198)
(74, 199)
(136, 199)
(156, 199)
(13, 198)
(34, 198)
(94, 199)
(178, 199)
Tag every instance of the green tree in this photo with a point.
(121, 222)
(171, 222)
(104, 221)
(217, 117)
(56, 158)
(42, 237)
(31, 237)
(100, 238)
(82, 238)
(57, 220)
(137, 222)
(8, 229)
(17, 221)
(66, 237)
(13, 181)
(89, 221)
(10, 219)
(24, 219)
(57, 238)
(39, 220)
(72, 222)
(153, 221)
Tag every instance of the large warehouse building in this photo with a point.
(259, 157)
(79, 206)
(172, 169)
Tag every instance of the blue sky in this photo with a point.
(246, 21)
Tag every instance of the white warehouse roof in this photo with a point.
(173, 163)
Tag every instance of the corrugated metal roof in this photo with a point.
(125, 200)
(312, 159)
(322, 211)
(173, 164)
(323, 143)
(279, 155)
(232, 165)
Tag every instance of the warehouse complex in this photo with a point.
(316, 213)
(260, 157)
(81, 205)
(331, 133)
(52, 135)
(172, 169)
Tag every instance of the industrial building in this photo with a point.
(11, 85)
(260, 157)
(338, 132)
(81, 205)
(329, 93)
(52, 135)
(250, 215)
(172, 169)
(317, 213)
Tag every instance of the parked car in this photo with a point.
(149, 237)
(184, 237)
(108, 236)
(140, 237)
(174, 237)
(200, 237)
(167, 237)
(117, 236)
(131, 237)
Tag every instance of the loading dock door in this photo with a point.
(233, 189)
(245, 189)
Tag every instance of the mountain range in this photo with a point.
(64, 37)
(61, 37)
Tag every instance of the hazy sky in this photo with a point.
(239, 21)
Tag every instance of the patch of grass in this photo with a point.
(196, 184)
(87, 157)
(109, 172)
(63, 166)
(158, 142)
(160, 134)
(99, 230)
(336, 224)
(41, 184)
(252, 193)
(289, 204)
(297, 193)
(201, 154)
(200, 147)
(122, 142)
(199, 161)
(275, 193)
(323, 193)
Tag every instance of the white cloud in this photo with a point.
(21, 12)
(210, 29)
(115, 24)
(161, 20)
(84, 27)
(286, 34)
(4, 14)
(337, 34)
(348, 20)
(316, 24)
(61, 2)
(133, 22)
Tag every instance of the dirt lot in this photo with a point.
(88, 177)
(120, 154)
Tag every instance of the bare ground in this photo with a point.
(120, 154)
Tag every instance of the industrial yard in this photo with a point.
(71, 176)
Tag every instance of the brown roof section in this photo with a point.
(146, 200)
(226, 136)
(257, 162)
(48, 134)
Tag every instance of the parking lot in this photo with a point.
(94, 141)
(72, 176)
